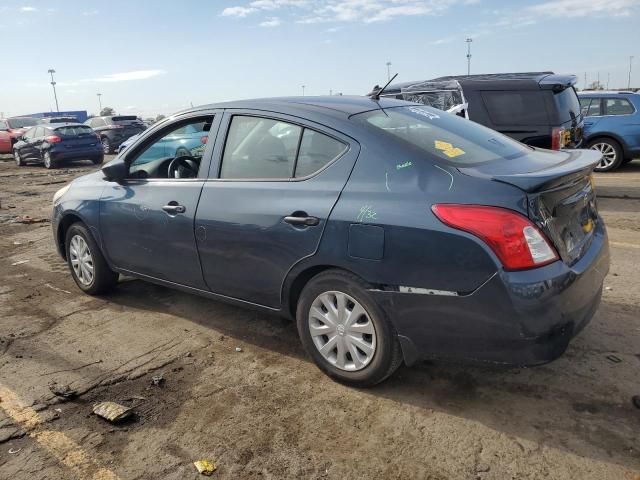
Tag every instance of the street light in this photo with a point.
(630, 62)
(388, 71)
(99, 102)
(469, 40)
(303, 87)
(51, 71)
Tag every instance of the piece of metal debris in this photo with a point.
(157, 380)
(48, 285)
(608, 288)
(63, 391)
(205, 467)
(636, 401)
(112, 411)
(19, 262)
(614, 359)
(238, 349)
(13, 451)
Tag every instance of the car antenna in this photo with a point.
(376, 95)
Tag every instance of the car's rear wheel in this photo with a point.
(18, 158)
(107, 148)
(88, 267)
(98, 160)
(48, 161)
(611, 154)
(345, 331)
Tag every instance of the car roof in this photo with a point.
(607, 93)
(62, 124)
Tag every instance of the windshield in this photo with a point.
(443, 135)
(568, 104)
(22, 122)
(74, 130)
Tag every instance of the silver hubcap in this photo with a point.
(105, 145)
(16, 155)
(608, 154)
(342, 331)
(47, 160)
(81, 260)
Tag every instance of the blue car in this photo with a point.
(389, 231)
(612, 126)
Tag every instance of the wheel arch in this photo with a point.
(65, 222)
(606, 136)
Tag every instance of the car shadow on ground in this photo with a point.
(574, 404)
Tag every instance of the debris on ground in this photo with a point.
(608, 288)
(13, 451)
(205, 467)
(63, 391)
(112, 411)
(614, 359)
(26, 219)
(19, 262)
(238, 349)
(157, 380)
(636, 401)
(48, 285)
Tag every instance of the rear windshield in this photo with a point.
(124, 119)
(22, 122)
(444, 135)
(516, 107)
(74, 130)
(568, 105)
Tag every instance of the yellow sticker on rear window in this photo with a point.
(448, 149)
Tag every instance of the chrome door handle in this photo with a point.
(302, 221)
(174, 209)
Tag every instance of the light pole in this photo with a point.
(630, 62)
(469, 40)
(388, 71)
(53, 84)
(303, 86)
(99, 102)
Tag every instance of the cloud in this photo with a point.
(28, 9)
(585, 8)
(238, 11)
(90, 13)
(271, 22)
(127, 76)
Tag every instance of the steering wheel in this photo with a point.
(184, 166)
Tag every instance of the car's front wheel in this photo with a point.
(98, 160)
(345, 331)
(18, 158)
(611, 154)
(48, 161)
(86, 262)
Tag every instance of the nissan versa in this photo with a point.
(389, 230)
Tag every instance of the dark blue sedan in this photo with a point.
(390, 231)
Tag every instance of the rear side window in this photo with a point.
(593, 107)
(73, 131)
(567, 104)
(316, 151)
(618, 106)
(516, 107)
(442, 135)
(3, 126)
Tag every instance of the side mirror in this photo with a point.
(116, 170)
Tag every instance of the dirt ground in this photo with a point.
(267, 412)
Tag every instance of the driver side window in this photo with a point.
(174, 153)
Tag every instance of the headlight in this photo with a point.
(60, 193)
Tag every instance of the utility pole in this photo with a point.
(388, 71)
(330, 92)
(630, 62)
(303, 87)
(608, 78)
(99, 102)
(469, 40)
(53, 84)
(585, 81)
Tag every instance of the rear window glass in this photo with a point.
(75, 130)
(618, 106)
(516, 107)
(443, 135)
(316, 151)
(22, 122)
(568, 105)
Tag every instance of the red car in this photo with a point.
(11, 129)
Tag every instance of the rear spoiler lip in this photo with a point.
(557, 83)
(577, 165)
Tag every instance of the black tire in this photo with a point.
(107, 147)
(387, 356)
(104, 279)
(18, 158)
(98, 160)
(48, 161)
(610, 145)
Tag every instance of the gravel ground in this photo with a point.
(267, 412)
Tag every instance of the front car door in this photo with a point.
(28, 151)
(146, 220)
(272, 186)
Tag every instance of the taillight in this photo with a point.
(53, 139)
(517, 242)
(558, 138)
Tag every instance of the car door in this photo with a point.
(146, 220)
(27, 150)
(592, 108)
(267, 201)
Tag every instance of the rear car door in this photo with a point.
(146, 220)
(267, 201)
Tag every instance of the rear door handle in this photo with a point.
(302, 221)
(173, 208)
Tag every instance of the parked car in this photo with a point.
(182, 142)
(115, 129)
(389, 230)
(54, 143)
(540, 109)
(61, 119)
(612, 126)
(11, 129)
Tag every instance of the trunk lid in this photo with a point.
(76, 136)
(559, 193)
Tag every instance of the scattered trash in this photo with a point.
(608, 288)
(188, 354)
(13, 451)
(48, 285)
(17, 243)
(238, 349)
(19, 262)
(205, 467)
(157, 380)
(614, 359)
(112, 411)
(636, 401)
(28, 220)
(59, 410)
(64, 391)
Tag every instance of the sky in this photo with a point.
(151, 57)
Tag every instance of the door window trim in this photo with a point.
(227, 119)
